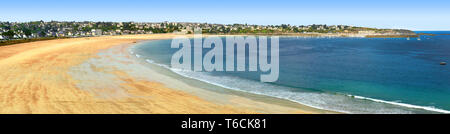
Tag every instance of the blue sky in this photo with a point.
(407, 14)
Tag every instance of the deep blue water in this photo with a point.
(394, 75)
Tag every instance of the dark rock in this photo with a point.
(443, 63)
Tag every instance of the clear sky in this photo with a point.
(407, 14)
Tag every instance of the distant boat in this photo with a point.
(407, 38)
(418, 38)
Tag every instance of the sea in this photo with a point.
(343, 74)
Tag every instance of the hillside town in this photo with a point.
(38, 29)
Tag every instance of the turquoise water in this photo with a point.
(353, 75)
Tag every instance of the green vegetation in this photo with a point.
(11, 42)
(10, 34)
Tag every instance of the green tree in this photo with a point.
(10, 34)
(27, 32)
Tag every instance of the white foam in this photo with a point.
(429, 108)
(316, 100)
(150, 61)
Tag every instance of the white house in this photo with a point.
(1, 37)
(96, 32)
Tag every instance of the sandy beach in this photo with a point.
(98, 75)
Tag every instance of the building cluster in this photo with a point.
(37, 29)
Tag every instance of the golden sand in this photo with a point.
(62, 76)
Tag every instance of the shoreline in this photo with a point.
(49, 77)
(223, 91)
(76, 76)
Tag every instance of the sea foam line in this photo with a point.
(429, 108)
(179, 72)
